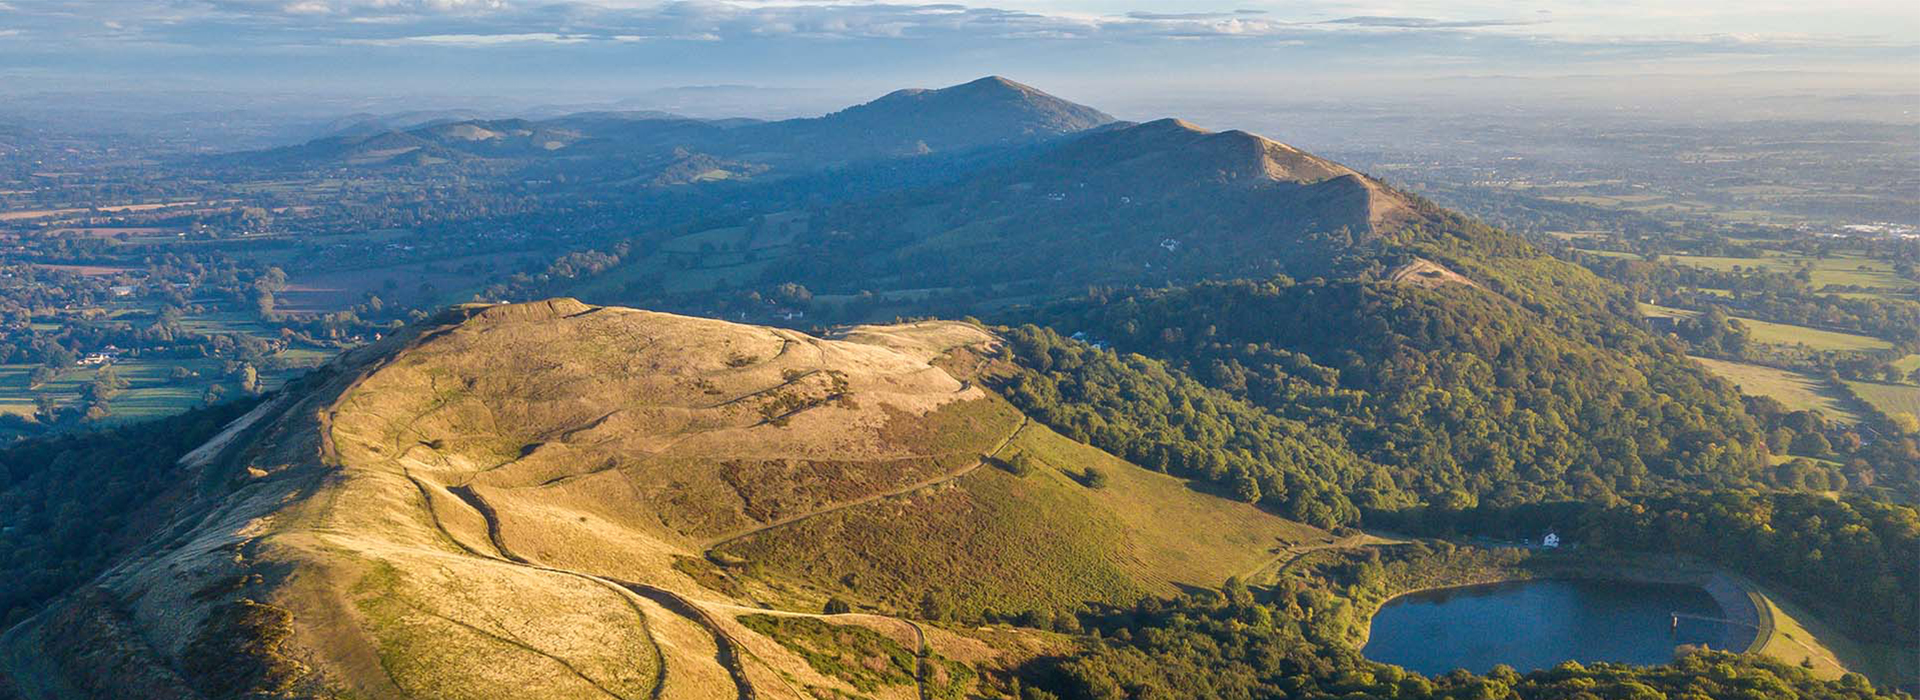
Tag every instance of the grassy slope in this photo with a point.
(1795, 635)
(1795, 390)
(1889, 399)
(1041, 541)
(500, 505)
(1784, 334)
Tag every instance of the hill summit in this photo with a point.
(985, 113)
(991, 105)
(558, 500)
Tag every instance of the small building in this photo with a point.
(1551, 541)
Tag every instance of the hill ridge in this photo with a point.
(393, 522)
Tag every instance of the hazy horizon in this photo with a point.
(791, 58)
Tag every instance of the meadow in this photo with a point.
(411, 284)
(1814, 338)
(1889, 399)
(1843, 270)
(1785, 334)
(1795, 390)
(151, 392)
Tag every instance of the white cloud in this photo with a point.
(476, 39)
(1419, 25)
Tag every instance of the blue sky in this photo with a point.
(589, 47)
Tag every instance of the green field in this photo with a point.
(1843, 270)
(1612, 254)
(1656, 311)
(1814, 338)
(1797, 391)
(150, 394)
(1888, 399)
(1784, 334)
(709, 241)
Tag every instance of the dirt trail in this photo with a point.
(922, 667)
(904, 490)
(728, 650)
(1292, 555)
(671, 601)
(502, 553)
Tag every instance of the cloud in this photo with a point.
(1393, 22)
(357, 7)
(1191, 15)
(476, 39)
(980, 30)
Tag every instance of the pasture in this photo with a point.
(1784, 334)
(87, 270)
(1889, 399)
(410, 284)
(1814, 338)
(151, 392)
(1838, 270)
(1795, 390)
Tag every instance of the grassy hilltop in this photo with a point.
(583, 499)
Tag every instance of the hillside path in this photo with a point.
(863, 500)
(1293, 554)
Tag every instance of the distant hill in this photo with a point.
(987, 113)
(1127, 204)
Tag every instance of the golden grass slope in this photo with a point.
(517, 501)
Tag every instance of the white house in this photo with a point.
(1551, 541)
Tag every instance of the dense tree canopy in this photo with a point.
(1462, 394)
(71, 504)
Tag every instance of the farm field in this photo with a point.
(88, 270)
(151, 392)
(1797, 391)
(1889, 399)
(1839, 270)
(22, 214)
(1784, 334)
(1657, 311)
(412, 284)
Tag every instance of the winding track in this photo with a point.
(502, 554)
(902, 491)
(728, 651)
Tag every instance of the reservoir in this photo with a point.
(1532, 625)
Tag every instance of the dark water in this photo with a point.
(1532, 625)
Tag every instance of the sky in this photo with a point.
(824, 51)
